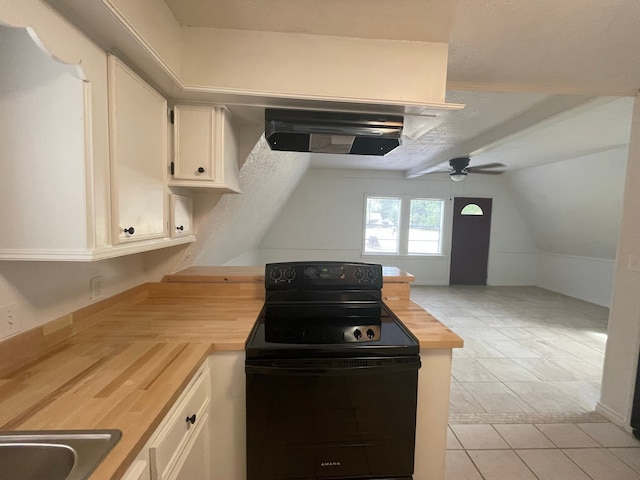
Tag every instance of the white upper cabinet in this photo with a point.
(205, 149)
(181, 209)
(138, 141)
(45, 111)
(83, 148)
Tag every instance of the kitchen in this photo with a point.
(29, 284)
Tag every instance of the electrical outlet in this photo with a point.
(633, 263)
(96, 286)
(10, 322)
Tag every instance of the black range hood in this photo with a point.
(332, 132)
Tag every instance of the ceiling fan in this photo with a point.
(459, 169)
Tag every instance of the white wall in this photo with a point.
(573, 209)
(323, 220)
(315, 66)
(42, 291)
(589, 279)
(623, 345)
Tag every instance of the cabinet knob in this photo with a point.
(191, 419)
(200, 169)
(129, 230)
(181, 228)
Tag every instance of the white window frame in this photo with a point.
(364, 226)
(404, 224)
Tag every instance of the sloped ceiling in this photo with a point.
(573, 207)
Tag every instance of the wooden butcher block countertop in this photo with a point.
(127, 366)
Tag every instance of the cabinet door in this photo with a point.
(205, 152)
(139, 470)
(181, 215)
(194, 461)
(138, 141)
(193, 143)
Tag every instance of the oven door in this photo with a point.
(331, 418)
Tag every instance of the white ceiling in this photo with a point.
(512, 62)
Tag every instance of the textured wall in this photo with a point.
(235, 224)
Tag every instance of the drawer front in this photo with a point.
(179, 425)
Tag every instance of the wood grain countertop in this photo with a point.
(126, 370)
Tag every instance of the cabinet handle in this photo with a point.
(200, 169)
(191, 419)
(181, 228)
(129, 230)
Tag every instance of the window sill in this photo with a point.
(404, 255)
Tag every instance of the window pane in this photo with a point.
(425, 226)
(382, 224)
(472, 209)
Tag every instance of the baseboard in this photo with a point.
(612, 416)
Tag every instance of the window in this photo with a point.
(425, 226)
(472, 209)
(382, 225)
(403, 225)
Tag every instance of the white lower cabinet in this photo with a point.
(139, 470)
(179, 448)
(194, 462)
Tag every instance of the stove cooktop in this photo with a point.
(326, 309)
(329, 330)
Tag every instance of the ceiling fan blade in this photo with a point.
(487, 165)
(485, 172)
(440, 170)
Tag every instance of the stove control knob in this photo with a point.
(357, 333)
(370, 334)
(289, 273)
(275, 274)
(359, 274)
(371, 273)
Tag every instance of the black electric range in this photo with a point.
(323, 309)
(331, 377)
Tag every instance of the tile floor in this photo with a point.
(525, 387)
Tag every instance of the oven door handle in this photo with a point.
(330, 370)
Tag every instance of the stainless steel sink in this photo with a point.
(54, 455)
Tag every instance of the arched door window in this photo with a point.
(472, 209)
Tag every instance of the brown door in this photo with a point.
(470, 241)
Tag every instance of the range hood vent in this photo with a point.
(332, 132)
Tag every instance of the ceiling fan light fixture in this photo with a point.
(458, 176)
